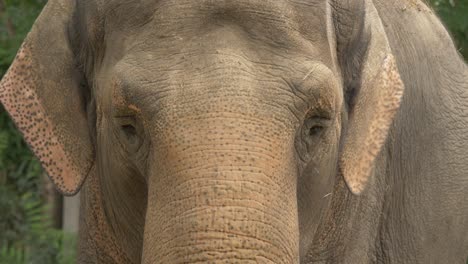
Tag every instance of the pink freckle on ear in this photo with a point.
(21, 101)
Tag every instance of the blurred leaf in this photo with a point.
(454, 14)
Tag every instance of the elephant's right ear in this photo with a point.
(372, 86)
(42, 91)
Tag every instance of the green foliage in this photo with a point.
(28, 237)
(25, 232)
(454, 14)
(16, 18)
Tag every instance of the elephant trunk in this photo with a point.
(222, 190)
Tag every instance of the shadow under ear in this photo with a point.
(42, 93)
(373, 79)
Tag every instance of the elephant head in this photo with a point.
(214, 128)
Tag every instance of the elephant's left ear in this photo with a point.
(43, 94)
(372, 86)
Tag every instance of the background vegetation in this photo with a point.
(26, 227)
(26, 233)
(454, 14)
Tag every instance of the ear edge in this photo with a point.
(357, 169)
(19, 97)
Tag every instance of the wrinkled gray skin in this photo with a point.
(237, 131)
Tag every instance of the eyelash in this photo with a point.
(315, 125)
(315, 130)
(128, 131)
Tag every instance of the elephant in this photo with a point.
(250, 131)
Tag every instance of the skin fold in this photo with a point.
(269, 131)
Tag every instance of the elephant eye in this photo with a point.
(312, 135)
(314, 126)
(129, 132)
(315, 130)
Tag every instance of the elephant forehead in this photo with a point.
(204, 84)
(223, 80)
(274, 19)
(280, 13)
(243, 54)
(179, 8)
